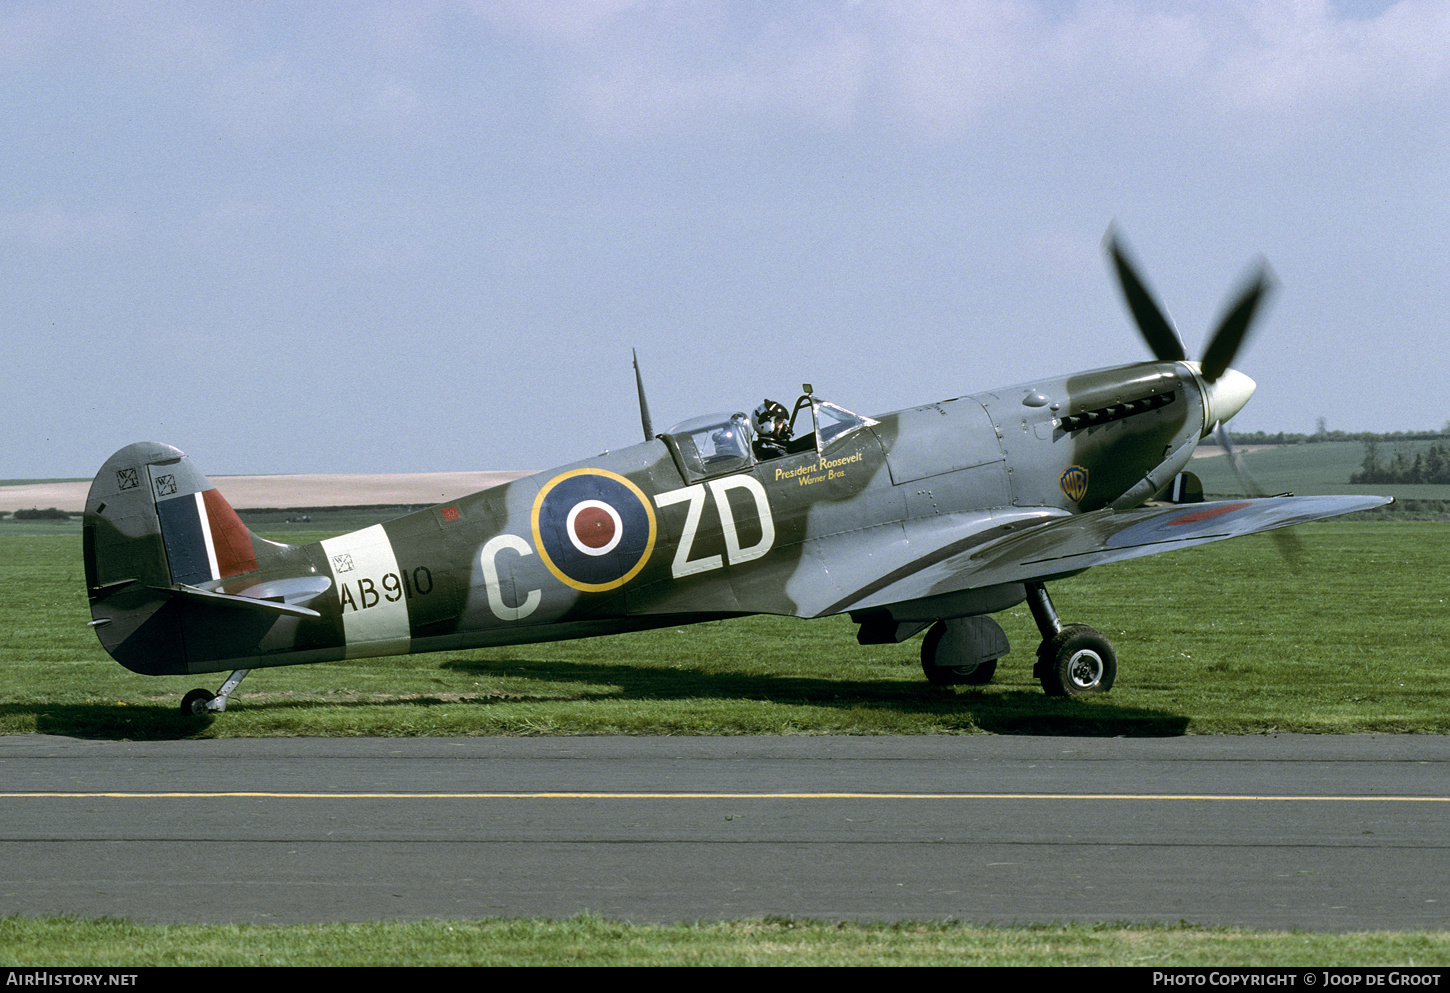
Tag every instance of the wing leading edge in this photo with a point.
(1066, 545)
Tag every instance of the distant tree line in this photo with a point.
(1430, 465)
(1296, 438)
(48, 514)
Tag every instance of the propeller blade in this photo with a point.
(1288, 543)
(1162, 340)
(1247, 482)
(1233, 329)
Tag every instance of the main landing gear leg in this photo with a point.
(1073, 660)
(198, 702)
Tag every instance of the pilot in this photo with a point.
(772, 430)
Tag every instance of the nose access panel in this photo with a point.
(939, 438)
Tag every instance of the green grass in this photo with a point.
(1219, 639)
(40, 529)
(1313, 470)
(590, 940)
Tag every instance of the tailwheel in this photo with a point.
(1078, 660)
(199, 702)
(194, 703)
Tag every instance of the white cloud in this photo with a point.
(942, 69)
(817, 82)
(1305, 60)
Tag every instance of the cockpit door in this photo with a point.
(710, 446)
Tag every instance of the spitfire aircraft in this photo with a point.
(927, 519)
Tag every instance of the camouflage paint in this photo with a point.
(939, 511)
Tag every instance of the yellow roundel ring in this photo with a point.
(593, 529)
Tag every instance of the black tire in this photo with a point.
(951, 675)
(194, 703)
(1076, 662)
(981, 675)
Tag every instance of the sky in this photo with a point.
(425, 236)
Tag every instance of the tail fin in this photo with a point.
(155, 525)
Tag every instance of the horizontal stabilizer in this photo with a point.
(212, 598)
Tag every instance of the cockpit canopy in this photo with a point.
(711, 445)
(834, 423)
(719, 444)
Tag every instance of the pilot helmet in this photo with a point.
(767, 414)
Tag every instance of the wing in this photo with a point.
(1062, 546)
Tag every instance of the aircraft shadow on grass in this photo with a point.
(999, 711)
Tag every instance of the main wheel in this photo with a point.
(1076, 662)
(194, 703)
(951, 675)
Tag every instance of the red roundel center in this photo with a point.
(593, 527)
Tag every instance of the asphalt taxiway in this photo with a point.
(1338, 833)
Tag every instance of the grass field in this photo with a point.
(1218, 639)
(589, 940)
(1311, 470)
